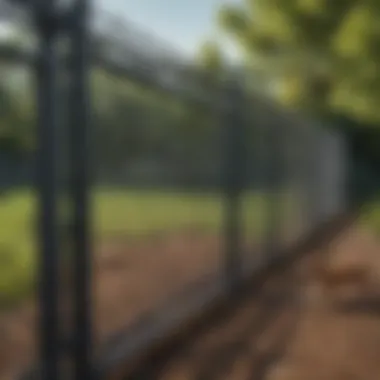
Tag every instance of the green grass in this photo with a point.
(114, 213)
(370, 216)
(144, 212)
(17, 246)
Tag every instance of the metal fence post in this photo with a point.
(47, 190)
(315, 155)
(233, 151)
(274, 181)
(80, 182)
(308, 174)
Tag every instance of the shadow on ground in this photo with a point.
(368, 305)
(251, 341)
(273, 304)
(282, 333)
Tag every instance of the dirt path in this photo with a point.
(283, 334)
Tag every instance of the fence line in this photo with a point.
(233, 145)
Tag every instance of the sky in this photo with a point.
(183, 23)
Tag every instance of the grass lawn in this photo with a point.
(121, 212)
(370, 216)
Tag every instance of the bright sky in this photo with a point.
(4, 30)
(183, 23)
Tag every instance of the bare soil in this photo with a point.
(132, 276)
(288, 333)
(282, 334)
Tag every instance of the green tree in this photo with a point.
(319, 55)
(211, 62)
(16, 133)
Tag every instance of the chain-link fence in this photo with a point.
(173, 192)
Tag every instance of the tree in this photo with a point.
(211, 62)
(16, 134)
(321, 55)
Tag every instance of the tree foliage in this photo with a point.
(16, 116)
(322, 55)
(211, 61)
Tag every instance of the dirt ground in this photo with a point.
(290, 333)
(132, 276)
(284, 334)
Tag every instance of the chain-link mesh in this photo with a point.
(194, 185)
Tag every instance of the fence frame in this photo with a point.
(51, 25)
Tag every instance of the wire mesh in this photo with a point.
(194, 186)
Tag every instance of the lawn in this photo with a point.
(370, 216)
(115, 213)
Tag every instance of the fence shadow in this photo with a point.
(261, 339)
(279, 311)
(369, 304)
(277, 317)
(222, 361)
(273, 293)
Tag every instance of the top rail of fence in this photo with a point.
(123, 49)
(120, 47)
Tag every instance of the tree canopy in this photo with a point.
(321, 55)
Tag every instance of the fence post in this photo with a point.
(47, 190)
(80, 182)
(308, 175)
(315, 184)
(234, 163)
(274, 180)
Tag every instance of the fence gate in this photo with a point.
(62, 59)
